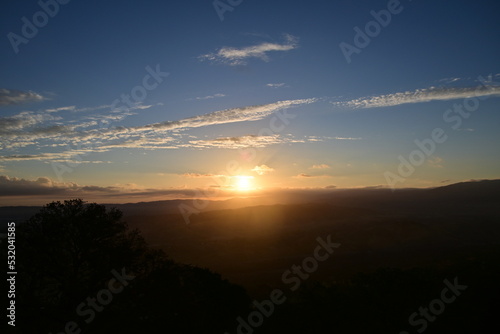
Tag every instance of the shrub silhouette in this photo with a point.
(66, 253)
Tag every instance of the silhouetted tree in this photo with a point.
(66, 253)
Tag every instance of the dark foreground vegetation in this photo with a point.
(67, 256)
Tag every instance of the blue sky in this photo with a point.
(268, 89)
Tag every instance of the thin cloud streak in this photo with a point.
(307, 176)
(23, 120)
(262, 169)
(420, 96)
(14, 97)
(275, 85)
(209, 97)
(236, 142)
(321, 166)
(255, 141)
(250, 113)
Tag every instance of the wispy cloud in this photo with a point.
(450, 80)
(140, 106)
(250, 113)
(48, 129)
(200, 176)
(236, 142)
(136, 106)
(421, 95)
(238, 56)
(104, 106)
(249, 141)
(66, 156)
(68, 108)
(262, 169)
(27, 127)
(435, 162)
(320, 139)
(322, 166)
(307, 176)
(23, 120)
(275, 85)
(344, 138)
(12, 97)
(208, 97)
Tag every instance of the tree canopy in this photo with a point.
(70, 251)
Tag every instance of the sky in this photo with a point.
(122, 101)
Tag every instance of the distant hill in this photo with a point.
(472, 195)
(377, 228)
(253, 246)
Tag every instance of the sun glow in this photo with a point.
(243, 183)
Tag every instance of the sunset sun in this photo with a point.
(243, 183)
